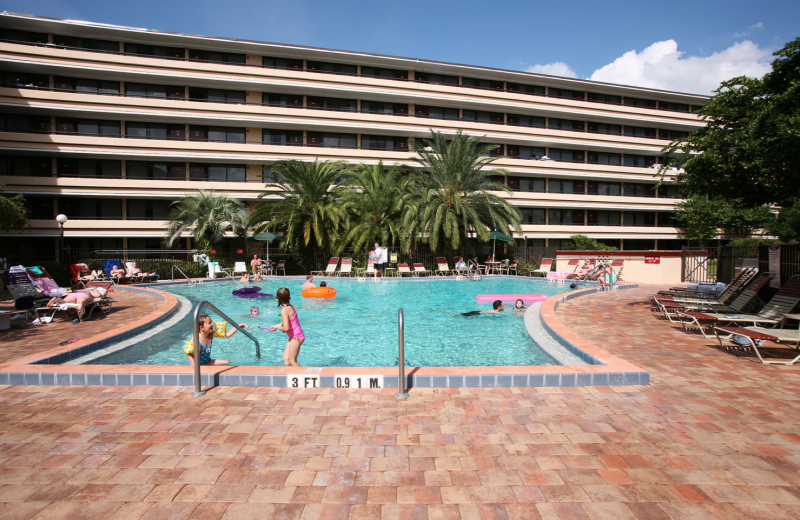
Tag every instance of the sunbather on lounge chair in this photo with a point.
(117, 272)
(80, 298)
(136, 272)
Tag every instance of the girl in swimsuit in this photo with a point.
(291, 326)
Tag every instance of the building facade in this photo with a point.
(109, 125)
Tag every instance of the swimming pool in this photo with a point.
(359, 326)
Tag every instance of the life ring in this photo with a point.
(319, 292)
(203, 259)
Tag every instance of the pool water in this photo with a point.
(359, 326)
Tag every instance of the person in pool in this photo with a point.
(253, 312)
(309, 283)
(291, 326)
(497, 306)
(519, 305)
(209, 329)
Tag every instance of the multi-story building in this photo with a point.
(109, 125)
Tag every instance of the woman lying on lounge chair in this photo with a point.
(80, 298)
(135, 271)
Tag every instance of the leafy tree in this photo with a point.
(750, 147)
(309, 210)
(700, 218)
(787, 225)
(454, 192)
(742, 222)
(206, 215)
(12, 212)
(376, 205)
(584, 243)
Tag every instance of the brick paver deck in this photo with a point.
(713, 437)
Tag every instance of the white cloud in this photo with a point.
(558, 68)
(662, 66)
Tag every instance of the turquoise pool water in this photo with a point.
(359, 326)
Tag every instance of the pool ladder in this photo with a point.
(196, 338)
(184, 275)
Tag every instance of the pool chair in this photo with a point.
(572, 268)
(239, 267)
(757, 335)
(281, 266)
(103, 302)
(544, 268)
(442, 269)
(139, 277)
(108, 265)
(346, 268)
(370, 269)
(30, 285)
(617, 264)
(419, 270)
(330, 270)
(509, 268)
(672, 310)
(402, 270)
(710, 297)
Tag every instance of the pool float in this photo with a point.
(250, 292)
(319, 292)
(512, 297)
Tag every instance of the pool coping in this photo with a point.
(604, 369)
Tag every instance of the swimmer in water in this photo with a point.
(497, 306)
(519, 305)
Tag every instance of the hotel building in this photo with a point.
(109, 125)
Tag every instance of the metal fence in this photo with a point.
(713, 264)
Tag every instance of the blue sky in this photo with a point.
(678, 45)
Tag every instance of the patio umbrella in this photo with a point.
(266, 236)
(495, 235)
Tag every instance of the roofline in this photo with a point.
(144, 31)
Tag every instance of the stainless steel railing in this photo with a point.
(196, 339)
(402, 393)
(172, 271)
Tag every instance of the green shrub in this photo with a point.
(584, 243)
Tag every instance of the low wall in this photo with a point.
(647, 267)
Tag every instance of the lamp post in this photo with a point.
(62, 219)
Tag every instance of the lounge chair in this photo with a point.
(442, 268)
(347, 267)
(330, 270)
(402, 269)
(370, 270)
(457, 271)
(709, 297)
(419, 270)
(573, 263)
(239, 267)
(758, 334)
(281, 266)
(139, 277)
(544, 268)
(108, 265)
(81, 274)
(582, 272)
(103, 303)
(674, 309)
(617, 264)
(30, 285)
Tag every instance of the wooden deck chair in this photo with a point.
(330, 270)
(419, 270)
(402, 270)
(442, 269)
(281, 266)
(239, 267)
(756, 335)
(347, 267)
(545, 267)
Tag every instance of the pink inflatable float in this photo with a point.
(512, 297)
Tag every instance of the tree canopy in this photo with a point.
(750, 149)
(206, 215)
(12, 212)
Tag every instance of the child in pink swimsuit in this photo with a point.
(291, 326)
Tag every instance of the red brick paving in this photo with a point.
(714, 436)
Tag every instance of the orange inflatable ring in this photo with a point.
(319, 292)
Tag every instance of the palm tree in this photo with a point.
(454, 192)
(376, 205)
(309, 209)
(206, 215)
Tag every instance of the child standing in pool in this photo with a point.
(291, 326)
(209, 329)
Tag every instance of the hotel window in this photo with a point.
(217, 57)
(532, 216)
(638, 131)
(23, 36)
(604, 128)
(436, 79)
(87, 86)
(482, 84)
(96, 127)
(25, 80)
(213, 95)
(20, 123)
(641, 103)
(639, 219)
(281, 63)
(525, 89)
(90, 208)
(154, 91)
(565, 216)
(496, 152)
(696, 108)
(596, 217)
(282, 137)
(88, 44)
(155, 51)
(604, 98)
(527, 184)
(525, 152)
(639, 161)
(674, 107)
(341, 105)
(480, 116)
(148, 209)
(603, 188)
(377, 72)
(633, 189)
(436, 112)
(378, 107)
(217, 172)
(565, 124)
(671, 134)
(104, 169)
(332, 140)
(282, 100)
(217, 134)
(563, 155)
(39, 208)
(332, 68)
(140, 130)
(564, 93)
(668, 191)
(383, 142)
(667, 219)
(20, 165)
(155, 170)
(520, 120)
(566, 186)
(613, 159)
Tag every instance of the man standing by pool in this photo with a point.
(381, 255)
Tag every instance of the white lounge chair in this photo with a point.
(544, 267)
(239, 267)
(330, 270)
(347, 267)
(442, 268)
(402, 269)
(419, 270)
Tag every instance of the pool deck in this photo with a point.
(47, 368)
(714, 436)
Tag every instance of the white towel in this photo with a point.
(65, 306)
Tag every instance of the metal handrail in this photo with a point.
(402, 393)
(172, 273)
(196, 339)
(220, 268)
